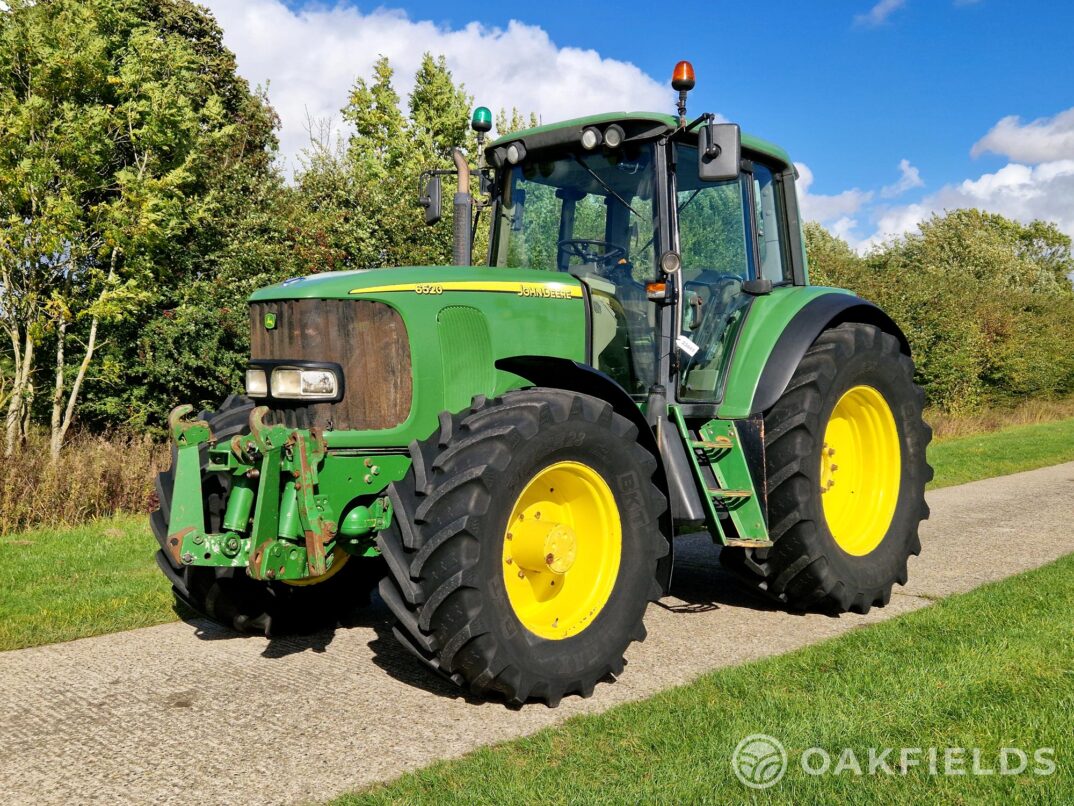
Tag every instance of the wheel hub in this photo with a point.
(543, 547)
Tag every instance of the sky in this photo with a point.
(891, 109)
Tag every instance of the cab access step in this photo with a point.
(727, 490)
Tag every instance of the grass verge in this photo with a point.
(1000, 453)
(73, 582)
(59, 584)
(939, 677)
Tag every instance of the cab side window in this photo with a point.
(772, 248)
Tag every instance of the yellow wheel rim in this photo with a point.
(340, 560)
(561, 550)
(860, 468)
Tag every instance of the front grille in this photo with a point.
(368, 339)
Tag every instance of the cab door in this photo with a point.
(729, 233)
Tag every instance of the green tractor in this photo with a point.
(510, 450)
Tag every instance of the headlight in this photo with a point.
(317, 384)
(256, 383)
(591, 138)
(516, 152)
(613, 135)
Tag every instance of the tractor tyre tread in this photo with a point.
(803, 569)
(444, 511)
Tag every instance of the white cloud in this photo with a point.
(1021, 192)
(878, 14)
(910, 178)
(1040, 140)
(818, 207)
(310, 58)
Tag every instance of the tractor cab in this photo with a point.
(669, 250)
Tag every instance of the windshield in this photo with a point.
(591, 214)
(579, 209)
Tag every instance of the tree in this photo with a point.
(986, 303)
(357, 202)
(126, 138)
(516, 122)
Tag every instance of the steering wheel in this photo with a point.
(586, 250)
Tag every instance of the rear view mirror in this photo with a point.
(430, 200)
(719, 151)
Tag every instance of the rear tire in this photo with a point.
(808, 567)
(229, 596)
(449, 555)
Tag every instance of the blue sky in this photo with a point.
(853, 89)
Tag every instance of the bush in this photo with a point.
(95, 476)
(986, 303)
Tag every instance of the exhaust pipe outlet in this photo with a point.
(463, 212)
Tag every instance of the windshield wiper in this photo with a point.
(604, 184)
(680, 208)
(693, 196)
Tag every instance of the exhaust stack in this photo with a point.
(464, 207)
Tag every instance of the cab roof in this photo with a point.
(659, 123)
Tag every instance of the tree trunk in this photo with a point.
(59, 429)
(20, 391)
(56, 441)
(60, 432)
(14, 402)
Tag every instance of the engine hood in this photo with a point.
(387, 284)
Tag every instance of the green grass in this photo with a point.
(999, 453)
(59, 584)
(989, 669)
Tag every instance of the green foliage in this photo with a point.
(356, 203)
(986, 303)
(516, 122)
(130, 155)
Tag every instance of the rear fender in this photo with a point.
(813, 319)
(778, 329)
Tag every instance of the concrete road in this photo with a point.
(189, 713)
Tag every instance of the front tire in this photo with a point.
(504, 502)
(846, 471)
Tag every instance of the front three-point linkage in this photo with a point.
(275, 523)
